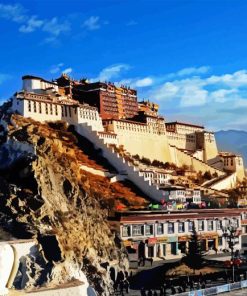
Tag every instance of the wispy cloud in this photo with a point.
(136, 82)
(55, 69)
(15, 13)
(67, 70)
(193, 71)
(31, 23)
(92, 23)
(56, 27)
(147, 81)
(111, 72)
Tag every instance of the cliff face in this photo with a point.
(45, 194)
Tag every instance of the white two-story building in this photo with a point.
(168, 235)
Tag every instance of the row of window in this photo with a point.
(148, 229)
(88, 114)
(36, 107)
(52, 109)
(228, 161)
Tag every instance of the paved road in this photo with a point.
(152, 276)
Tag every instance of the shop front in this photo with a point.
(132, 249)
(209, 241)
(161, 246)
(172, 246)
(183, 244)
(151, 247)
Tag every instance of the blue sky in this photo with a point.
(188, 56)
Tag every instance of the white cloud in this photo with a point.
(236, 79)
(147, 81)
(187, 92)
(223, 95)
(218, 101)
(67, 70)
(111, 72)
(193, 71)
(192, 95)
(92, 23)
(32, 24)
(15, 13)
(197, 91)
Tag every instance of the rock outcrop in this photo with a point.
(44, 194)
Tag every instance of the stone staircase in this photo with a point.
(124, 168)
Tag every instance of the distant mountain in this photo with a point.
(233, 141)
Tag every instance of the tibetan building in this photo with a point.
(111, 101)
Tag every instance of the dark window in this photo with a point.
(200, 225)
(191, 225)
(170, 227)
(34, 107)
(219, 224)
(210, 225)
(149, 229)
(137, 230)
(160, 228)
(180, 226)
(29, 106)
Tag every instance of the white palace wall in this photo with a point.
(182, 158)
(141, 139)
(182, 141)
(50, 110)
(206, 141)
(37, 85)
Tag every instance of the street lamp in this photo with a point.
(229, 232)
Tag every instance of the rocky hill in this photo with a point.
(45, 194)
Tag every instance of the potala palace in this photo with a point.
(111, 117)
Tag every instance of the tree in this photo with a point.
(207, 175)
(146, 161)
(136, 156)
(194, 258)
